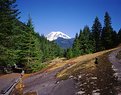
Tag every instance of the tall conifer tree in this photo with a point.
(107, 32)
(8, 17)
(96, 34)
(119, 36)
(76, 46)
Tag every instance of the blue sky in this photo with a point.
(68, 16)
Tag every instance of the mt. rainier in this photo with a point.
(63, 40)
(55, 35)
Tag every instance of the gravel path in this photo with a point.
(7, 80)
(47, 84)
(116, 63)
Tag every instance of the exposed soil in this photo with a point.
(100, 80)
(47, 84)
(84, 77)
(103, 79)
(7, 79)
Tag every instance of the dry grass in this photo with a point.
(80, 64)
(75, 69)
(101, 78)
(51, 65)
(74, 63)
(85, 67)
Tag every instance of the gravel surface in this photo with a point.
(47, 84)
(90, 82)
(101, 80)
(7, 80)
(116, 63)
(98, 81)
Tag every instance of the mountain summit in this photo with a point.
(55, 35)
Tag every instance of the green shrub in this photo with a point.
(34, 67)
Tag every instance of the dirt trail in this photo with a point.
(47, 84)
(116, 63)
(98, 80)
(7, 80)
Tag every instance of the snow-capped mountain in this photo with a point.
(55, 35)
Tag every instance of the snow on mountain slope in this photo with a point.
(54, 35)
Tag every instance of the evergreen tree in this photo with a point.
(69, 53)
(49, 49)
(76, 46)
(119, 36)
(107, 32)
(85, 41)
(8, 17)
(80, 33)
(81, 42)
(96, 35)
(29, 23)
(114, 39)
(30, 50)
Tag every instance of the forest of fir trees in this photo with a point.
(21, 45)
(96, 39)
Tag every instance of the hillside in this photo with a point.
(64, 43)
(78, 75)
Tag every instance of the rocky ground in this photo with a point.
(47, 84)
(82, 77)
(7, 80)
(100, 80)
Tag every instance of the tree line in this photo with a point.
(96, 39)
(20, 44)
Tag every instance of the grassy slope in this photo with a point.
(84, 65)
(93, 77)
(74, 62)
(85, 62)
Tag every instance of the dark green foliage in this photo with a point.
(76, 47)
(69, 53)
(19, 44)
(115, 39)
(33, 49)
(119, 36)
(82, 44)
(8, 16)
(86, 45)
(107, 32)
(35, 67)
(96, 40)
(29, 23)
(96, 35)
(49, 49)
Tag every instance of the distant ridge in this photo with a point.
(64, 43)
